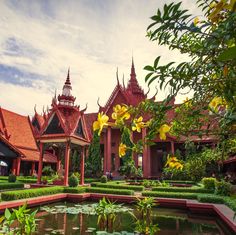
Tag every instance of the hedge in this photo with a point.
(170, 194)
(180, 189)
(10, 185)
(211, 198)
(27, 181)
(110, 191)
(28, 193)
(74, 190)
(90, 180)
(117, 186)
(180, 181)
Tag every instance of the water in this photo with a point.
(170, 221)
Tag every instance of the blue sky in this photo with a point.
(39, 40)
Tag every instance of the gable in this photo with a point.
(79, 130)
(54, 126)
(6, 151)
(35, 124)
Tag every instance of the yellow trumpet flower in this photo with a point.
(173, 162)
(138, 124)
(215, 102)
(122, 149)
(196, 21)
(120, 113)
(101, 121)
(163, 130)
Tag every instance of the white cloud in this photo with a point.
(92, 37)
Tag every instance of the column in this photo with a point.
(105, 153)
(82, 166)
(18, 161)
(108, 148)
(13, 168)
(40, 166)
(32, 168)
(146, 157)
(172, 147)
(67, 163)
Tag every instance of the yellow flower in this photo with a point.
(122, 150)
(163, 130)
(215, 102)
(120, 113)
(100, 123)
(196, 21)
(173, 162)
(188, 103)
(138, 124)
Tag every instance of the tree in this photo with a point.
(210, 74)
(93, 164)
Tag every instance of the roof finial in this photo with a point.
(35, 111)
(98, 103)
(123, 79)
(133, 75)
(117, 76)
(68, 77)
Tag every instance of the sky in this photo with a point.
(40, 40)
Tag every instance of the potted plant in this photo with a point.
(44, 179)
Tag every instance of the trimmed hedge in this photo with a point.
(28, 193)
(170, 194)
(90, 180)
(184, 190)
(110, 191)
(211, 198)
(180, 181)
(27, 181)
(117, 186)
(74, 190)
(11, 185)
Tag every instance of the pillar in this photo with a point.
(18, 161)
(58, 164)
(82, 166)
(32, 168)
(146, 157)
(108, 148)
(13, 168)
(105, 154)
(67, 163)
(172, 147)
(40, 166)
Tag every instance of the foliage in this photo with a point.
(103, 179)
(129, 169)
(73, 181)
(44, 179)
(118, 186)
(211, 198)
(47, 171)
(74, 190)
(144, 224)
(182, 189)
(209, 183)
(26, 222)
(170, 194)
(223, 188)
(21, 194)
(110, 191)
(75, 161)
(189, 182)
(12, 178)
(4, 185)
(174, 174)
(93, 164)
(210, 72)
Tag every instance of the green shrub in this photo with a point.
(182, 189)
(47, 171)
(12, 178)
(74, 190)
(117, 186)
(90, 180)
(180, 181)
(104, 179)
(73, 181)
(231, 203)
(27, 180)
(28, 193)
(209, 183)
(170, 194)
(211, 198)
(110, 191)
(223, 188)
(6, 185)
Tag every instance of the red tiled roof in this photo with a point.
(89, 119)
(19, 129)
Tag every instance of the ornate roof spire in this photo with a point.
(68, 77)
(133, 74)
(117, 76)
(66, 98)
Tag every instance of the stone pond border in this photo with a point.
(222, 211)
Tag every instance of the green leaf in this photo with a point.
(7, 214)
(149, 68)
(228, 54)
